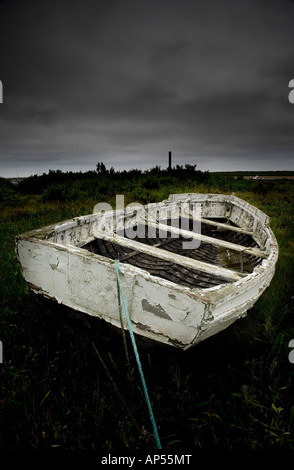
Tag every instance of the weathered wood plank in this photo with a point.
(175, 258)
(222, 225)
(211, 240)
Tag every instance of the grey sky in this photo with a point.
(125, 81)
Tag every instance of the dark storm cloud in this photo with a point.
(125, 81)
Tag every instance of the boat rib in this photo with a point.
(211, 240)
(176, 258)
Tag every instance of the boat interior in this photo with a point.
(222, 245)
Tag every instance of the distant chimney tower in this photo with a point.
(169, 160)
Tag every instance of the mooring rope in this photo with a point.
(121, 323)
(137, 357)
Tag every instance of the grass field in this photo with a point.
(233, 391)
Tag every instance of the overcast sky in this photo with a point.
(127, 81)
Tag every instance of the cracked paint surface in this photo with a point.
(155, 309)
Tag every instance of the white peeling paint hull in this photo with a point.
(55, 266)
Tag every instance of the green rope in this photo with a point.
(137, 357)
(122, 325)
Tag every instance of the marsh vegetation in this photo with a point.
(233, 391)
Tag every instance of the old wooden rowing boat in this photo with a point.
(186, 276)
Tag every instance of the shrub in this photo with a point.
(54, 193)
(260, 188)
(6, 189)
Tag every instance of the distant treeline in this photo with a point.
(63, 186)
(37, 183)
(143, 186)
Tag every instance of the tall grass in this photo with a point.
(233, 391)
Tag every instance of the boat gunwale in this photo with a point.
(211, 294)
(48, 235)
